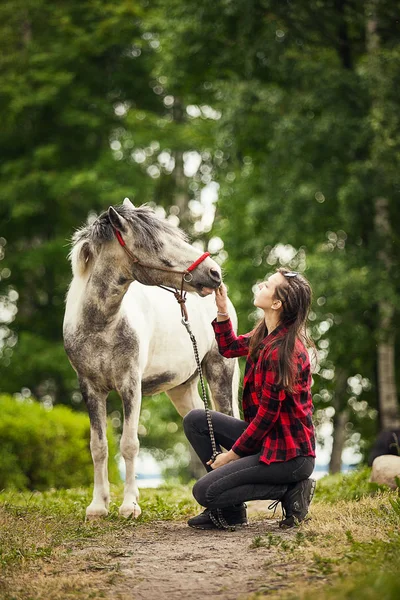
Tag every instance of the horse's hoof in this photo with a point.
(95, 512)
(130, 510)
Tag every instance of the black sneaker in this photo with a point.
(220, 518)
(295, 503)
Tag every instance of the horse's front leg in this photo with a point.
(131, 401)
(96, 405)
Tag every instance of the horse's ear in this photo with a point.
(128, 203)
(81, 258)
(116, 220)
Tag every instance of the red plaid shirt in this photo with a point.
(280, 423)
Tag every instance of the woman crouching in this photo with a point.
(271, 454)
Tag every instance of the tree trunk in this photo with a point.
(388, 404)
(340, 421)
(387, 393)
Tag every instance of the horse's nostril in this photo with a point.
(215, 275)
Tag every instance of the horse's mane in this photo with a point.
(149, 230)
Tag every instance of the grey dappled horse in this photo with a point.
(122, 335)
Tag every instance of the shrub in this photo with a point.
(347, 486)
(42, 448)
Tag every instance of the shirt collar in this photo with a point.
(277, 332)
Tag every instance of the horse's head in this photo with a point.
(155, 243)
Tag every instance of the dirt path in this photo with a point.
(166, 559)
(171, 560)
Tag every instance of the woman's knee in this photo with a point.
(194, 417)
(199, 492)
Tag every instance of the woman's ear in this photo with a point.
(276, 304)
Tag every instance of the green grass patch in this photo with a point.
(35, 525)
(352, 542)
(368, 570)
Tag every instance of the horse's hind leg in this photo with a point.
(223, 379)
(185, 397)
(96, 405)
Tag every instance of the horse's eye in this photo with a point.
(166, 262)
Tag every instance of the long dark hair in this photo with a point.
(295, 294)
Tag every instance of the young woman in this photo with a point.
(271, 454)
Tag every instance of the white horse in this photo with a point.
(122, 335)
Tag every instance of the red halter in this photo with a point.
(191, 268)
(198, 261)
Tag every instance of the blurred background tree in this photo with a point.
(268, 130)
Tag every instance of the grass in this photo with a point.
(352, 543)
(35, 525)
(349, 550)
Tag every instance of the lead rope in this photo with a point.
(216, 517)
(215, 451)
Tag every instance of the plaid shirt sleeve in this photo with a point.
(229, 344)
(270, 403)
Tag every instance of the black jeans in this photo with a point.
(244, 479)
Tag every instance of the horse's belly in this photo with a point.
(167, 375)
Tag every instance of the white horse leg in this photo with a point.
(130, 450)
(186, 397)
(96, 404)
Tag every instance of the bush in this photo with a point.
(42, 449)
(347, 486)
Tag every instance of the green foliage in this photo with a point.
(349, 486)
(65, 73)
(43, 448)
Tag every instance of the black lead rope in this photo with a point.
(203, 390)
(216, 517)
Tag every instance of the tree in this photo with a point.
(68, 78)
